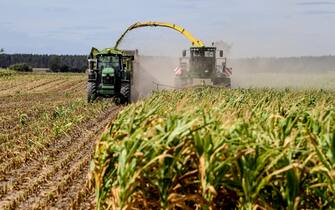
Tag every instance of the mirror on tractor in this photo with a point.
(91, 64)
(221, 53)
(184, 53)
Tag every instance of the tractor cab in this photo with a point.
(203, 64)
(109, 74)
(109, 66)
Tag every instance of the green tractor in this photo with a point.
(110, 74)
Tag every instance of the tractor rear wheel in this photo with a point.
(125, 93)
(91, 91)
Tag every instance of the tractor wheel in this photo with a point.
(91, 91)
(125, 93)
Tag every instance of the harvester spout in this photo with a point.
(195, 42)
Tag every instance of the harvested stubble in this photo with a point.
(46, 140)
(211, 148)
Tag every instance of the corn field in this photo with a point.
(212, 148)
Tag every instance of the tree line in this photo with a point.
(56, 63)
(78, 63)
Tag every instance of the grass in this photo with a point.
(6, 73)
(212, 148)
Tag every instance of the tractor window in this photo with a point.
(110, 61)
(196, 53)
(209, 54)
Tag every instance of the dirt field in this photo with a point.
(47, 135)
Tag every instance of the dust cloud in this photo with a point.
(314, 72)
(292, 72)
(157, 72)
(152, 73)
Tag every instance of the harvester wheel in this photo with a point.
(227, 83)
(224, 82)
(91, 91)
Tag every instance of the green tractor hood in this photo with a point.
(108, 71)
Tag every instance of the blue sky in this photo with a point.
(253, 28)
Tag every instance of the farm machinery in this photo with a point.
(110, 72)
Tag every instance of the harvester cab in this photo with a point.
(109, 74)
(202, 61)
(203, 65)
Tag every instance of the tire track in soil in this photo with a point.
(50, 86)
(13, 101)
(79, 86)
(15, 85)
(65, 86)
(58, 180)
(24, 87)
(43, 83)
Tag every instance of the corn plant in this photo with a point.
(212, 148)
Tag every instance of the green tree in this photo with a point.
(54, 63)
(64, 68)
(21, 67)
